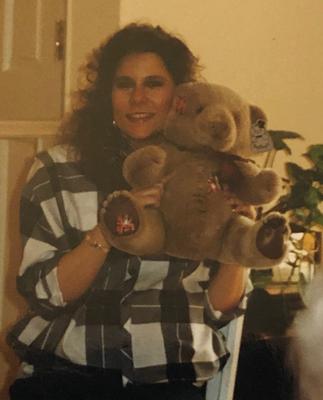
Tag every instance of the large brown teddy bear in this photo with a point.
(198, 157)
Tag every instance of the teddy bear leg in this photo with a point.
(262, 244)
(130, 227)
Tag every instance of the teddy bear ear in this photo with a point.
(260, 139)
(179, 104)
(257, 116)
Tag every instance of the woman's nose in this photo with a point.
(138, 95)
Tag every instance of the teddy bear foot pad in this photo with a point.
(271, 237)
(121, 216)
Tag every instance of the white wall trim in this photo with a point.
(4, 157)
(27, 129)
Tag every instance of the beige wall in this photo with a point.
(269, 51)
(89, 23)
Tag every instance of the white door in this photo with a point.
(31, 59)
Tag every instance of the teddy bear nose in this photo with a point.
(219, 129)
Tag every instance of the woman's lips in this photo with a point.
(140, 116)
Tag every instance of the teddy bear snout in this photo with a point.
(218, 126)
(222, 134)
(219, 130)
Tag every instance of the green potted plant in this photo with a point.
(304, 186)
(302, 201)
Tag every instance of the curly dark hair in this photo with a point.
(89, 127)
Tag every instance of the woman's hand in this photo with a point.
(227, 287)
(149, 197)
(78, 268)
(239, 206)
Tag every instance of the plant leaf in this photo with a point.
(285, 134)
(312, 198)
(315, 154)
(294, 171)
(297, 193)
(318, 176)
(318, 218)
(278, 138)
(297, 173)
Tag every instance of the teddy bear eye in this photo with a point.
(261, 123)
(199, 109)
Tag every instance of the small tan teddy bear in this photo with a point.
(198, 158)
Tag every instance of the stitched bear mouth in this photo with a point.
(121, 217)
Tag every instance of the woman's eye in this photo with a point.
(123, 86)
(199, 109)
(123, 83)
(154, 84)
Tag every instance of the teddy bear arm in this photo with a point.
(256, 186)
(145, 167)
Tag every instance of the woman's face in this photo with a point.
(142, 94)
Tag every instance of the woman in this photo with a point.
(105, 324)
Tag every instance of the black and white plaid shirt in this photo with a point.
(151, 319)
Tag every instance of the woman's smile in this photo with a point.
(140, 116)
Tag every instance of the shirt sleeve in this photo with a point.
(44, 243)
(216, 319)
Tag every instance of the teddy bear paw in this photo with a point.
(119, 214)
(272, 236)
(269, 185)
(145, 166)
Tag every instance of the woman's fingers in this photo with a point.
(238, 206)
(149, 196)
(145, 197)
(247, 210)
